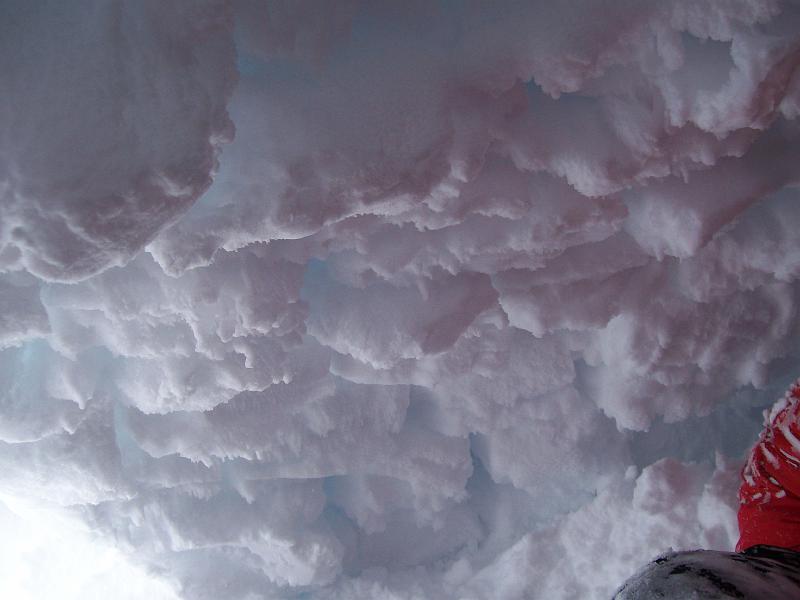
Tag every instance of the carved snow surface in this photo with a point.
(395, 300)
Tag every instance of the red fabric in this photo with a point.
(769, 510)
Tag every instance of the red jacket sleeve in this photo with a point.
(769, 497)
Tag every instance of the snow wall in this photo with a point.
(448, 300)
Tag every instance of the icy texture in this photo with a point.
(111, 118)
(483, 302)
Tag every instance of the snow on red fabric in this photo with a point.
(769, 496)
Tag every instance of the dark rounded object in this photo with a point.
(758, 573)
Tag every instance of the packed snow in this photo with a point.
(389, 300)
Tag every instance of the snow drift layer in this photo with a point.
(483, 302)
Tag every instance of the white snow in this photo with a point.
(482, 300)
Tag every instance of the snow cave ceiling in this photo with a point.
(431, 299)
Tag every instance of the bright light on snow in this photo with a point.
(388, 300)
(45, 554)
